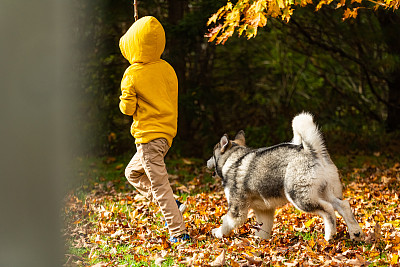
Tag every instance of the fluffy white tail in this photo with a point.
(306, 132)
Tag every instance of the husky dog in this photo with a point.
(300, 172)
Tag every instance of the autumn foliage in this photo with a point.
(246, 16)
(112, 225)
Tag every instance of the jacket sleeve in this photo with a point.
(128, 99)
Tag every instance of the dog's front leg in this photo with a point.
(224, 229)
(230, 221)
(266, 219)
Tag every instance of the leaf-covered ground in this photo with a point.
(108, 224)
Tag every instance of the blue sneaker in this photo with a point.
(182, 207)
(182, 237)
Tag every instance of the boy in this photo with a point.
(150, 94)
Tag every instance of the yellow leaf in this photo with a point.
(216, 16)
(287, 13)
(212, 19)
(281, 4)
(157, 247)
(394, 259)
(374, 254)
(309, 222)
(241, 29)
(320, 4)
(197, 222)
(187, 161)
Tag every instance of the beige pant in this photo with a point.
(147, 173)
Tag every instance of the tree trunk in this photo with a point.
(393, 119)
(390, 22)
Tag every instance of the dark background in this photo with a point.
(346, 73)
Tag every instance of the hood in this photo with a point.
(144, 41)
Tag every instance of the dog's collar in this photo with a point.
(217, 170)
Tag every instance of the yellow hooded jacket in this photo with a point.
(149, 85)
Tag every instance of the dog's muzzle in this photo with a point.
(211, 165)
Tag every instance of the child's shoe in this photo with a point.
(182, 207)
(182, 237)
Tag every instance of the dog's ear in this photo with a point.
(240, 138)
(225, 143)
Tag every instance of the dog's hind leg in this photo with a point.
(266, 218)
(303, 202)
(343, 207)
(326, 211)
(236, 216)
(323, 209)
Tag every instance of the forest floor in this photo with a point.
(107, 223)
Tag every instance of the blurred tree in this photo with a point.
(365, 50)
(345, 73)
(100, 66)
(246, 16)
(390, 24)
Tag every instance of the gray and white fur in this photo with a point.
(300, 172)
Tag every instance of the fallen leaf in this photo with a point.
(110, 160)
(257, 261)
(354, 262)
(159, 260)
(309, 222)
(291, 264)
(394, 259)
(113, 250)
(165, 244)
(187, 161)
(220, 260)
(183, 188)
(201, 237)
(92, 253)
(377, 232)
(119, 166)
(139, 197)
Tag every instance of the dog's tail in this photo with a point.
(306, 132)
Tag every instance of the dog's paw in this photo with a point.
(217, 232)
(357, 236)
(262, 234)
(328, 238)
